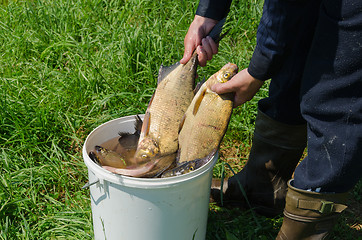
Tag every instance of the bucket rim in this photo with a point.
(103, 174)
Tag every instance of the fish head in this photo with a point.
(190, 167)
(147, 149)
(226, 72)
(101, 150)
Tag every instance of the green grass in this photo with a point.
(68, 66)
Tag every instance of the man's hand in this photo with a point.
(196, 39)
(242, 84)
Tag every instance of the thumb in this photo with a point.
(221, 88)
(189, 49)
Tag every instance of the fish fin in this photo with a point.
(164, 163)
(150, 103)
(194, 60)
(182, 123)
(146, 121)
(199, 100)
(198, 85)
(93, 156)
(208, 157)
(146, 125)
(165, 70)
(216, 31)
(137, 128)
(138, 125)
(178, 156)
(202, 161)
(124, 134)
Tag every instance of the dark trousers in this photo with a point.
(321, 83)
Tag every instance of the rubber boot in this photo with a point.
(276, 150)
(310, 215)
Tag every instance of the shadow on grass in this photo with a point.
(233, 224)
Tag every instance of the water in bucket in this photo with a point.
(145, 208)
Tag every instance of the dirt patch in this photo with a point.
(235, 154)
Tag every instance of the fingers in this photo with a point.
(195, 40)
(206, 50)
(221, 88)
(187, 54)
(190, 44)
(242, 84)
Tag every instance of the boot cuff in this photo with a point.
(280, 134)
(312, 204)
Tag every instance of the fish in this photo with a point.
(173, 95)
(187, 167)
(150, 169)
(181, 169)
(134, 170)
(118, 157)
(106, 157)
(119, 151)
(206, 119)
(128, 140)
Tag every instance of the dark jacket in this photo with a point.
(275, 32)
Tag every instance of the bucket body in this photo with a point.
(131, 208)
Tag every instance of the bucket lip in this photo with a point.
(103, 174)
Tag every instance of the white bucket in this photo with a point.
(130, 208)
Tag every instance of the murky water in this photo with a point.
(119, 152)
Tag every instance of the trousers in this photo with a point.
(320, 83)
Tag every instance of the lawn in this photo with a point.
(67, 67)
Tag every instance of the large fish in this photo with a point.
(206, 119)
(152, 168)
(117, 155)
(173, 95)
(187, 167)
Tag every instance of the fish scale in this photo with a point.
(206, 119)
(174, 93)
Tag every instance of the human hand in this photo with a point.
(242, 84)
(196, 39)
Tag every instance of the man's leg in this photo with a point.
(332, 106)
(280, 131)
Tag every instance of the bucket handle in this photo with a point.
(88, 184)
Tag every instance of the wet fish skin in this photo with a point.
(108, 157)
(126, 143)
(206, 119)
(134, 170)
(182, 169)
(162, 164)
(173, 95)
(189, 166)
(150, 169)
(94, 157)
(171, 99)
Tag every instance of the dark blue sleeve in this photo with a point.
(275, 35)
(215, 9)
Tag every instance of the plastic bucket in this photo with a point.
(130, 208)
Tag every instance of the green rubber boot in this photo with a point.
(276, 150)
(310, 215)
